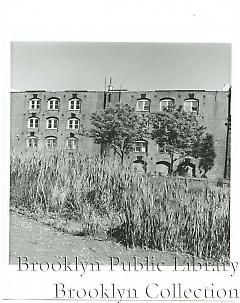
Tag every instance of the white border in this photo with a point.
(125, 20)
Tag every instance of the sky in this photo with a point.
(133, 66)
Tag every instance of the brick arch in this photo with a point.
(143, 104)
(182, 168)
(168, 103)
(142, 162)
(166, 164)
(54, 98)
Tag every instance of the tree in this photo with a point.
(118, 127)
(177, 133)
(206, 154)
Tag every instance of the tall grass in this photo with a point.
(168, 214)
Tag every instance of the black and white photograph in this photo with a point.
(119, 164)
(120, 147)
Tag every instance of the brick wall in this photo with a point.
(213, 110)
(20, 113)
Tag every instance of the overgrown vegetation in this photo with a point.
(169, 214)
(178, 134)
(117, 127)
(206, 154)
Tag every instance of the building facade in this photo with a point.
(45, 121)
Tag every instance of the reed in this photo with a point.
(102, 197)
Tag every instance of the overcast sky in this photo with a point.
(135, 66)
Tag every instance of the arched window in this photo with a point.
(191, 105)
(166, 103)
(140, 146)
(32, 141)
(143, 105)
(34, 103)
(52, 123)
(33, 122)
(73, 123)
(71, 143)
(50, 142)
(74, 104)
(53, 104)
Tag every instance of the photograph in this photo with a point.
(119, 154)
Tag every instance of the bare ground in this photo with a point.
(40, 243)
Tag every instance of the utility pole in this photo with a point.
(119, 98)
(228, 124)
(110, 84)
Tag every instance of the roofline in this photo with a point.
(116, 91)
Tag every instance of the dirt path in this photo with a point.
(39, 242)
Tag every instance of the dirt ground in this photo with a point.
(40, 243)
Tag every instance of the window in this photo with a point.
(167, 129)
(53, 104)
(73, 123)
(166, 104)
(74, 104)
(161, 148)
(191, 105)
(52, 123)
(34, 103)
(33, 122)
(143, 105)
(140, 147)
(32, 141)
(71, 143)
(51, 142)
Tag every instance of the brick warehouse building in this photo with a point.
(44, 121)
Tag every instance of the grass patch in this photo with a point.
(103, 198)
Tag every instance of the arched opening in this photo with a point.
(191, 105)
(33, 122)
(74, 103)
(162, 168)
(141, 146)
(52, 123)
(53, 103)
(32, 141)
(166, 104)
(143, 105)
(73, 123)
(186, 168)
(34, 103)
(140, 165)
(50, 142)
(71, 143)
